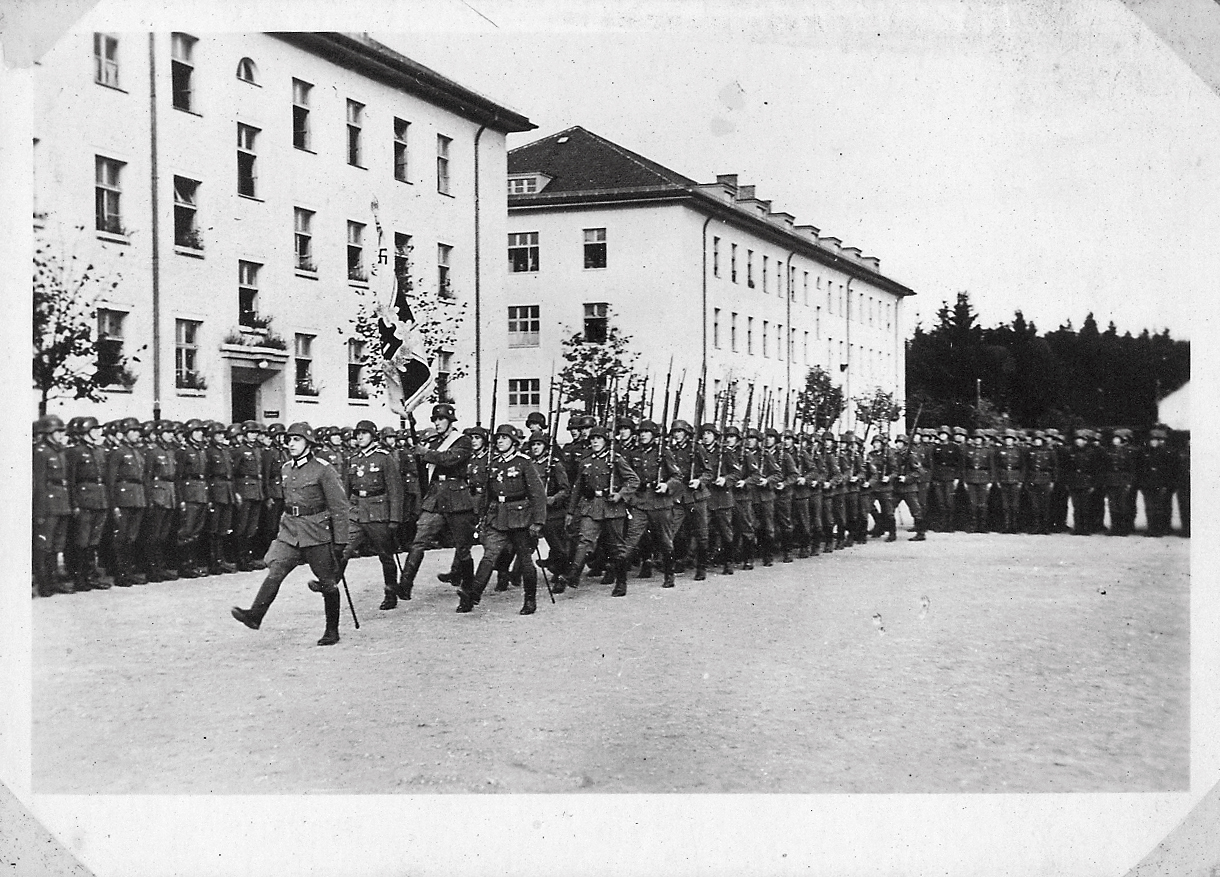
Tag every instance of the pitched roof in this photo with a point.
(577, 160)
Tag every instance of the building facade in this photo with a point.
(705, 273)
(228, 182)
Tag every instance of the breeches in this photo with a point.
(282, 558)
(461, 529)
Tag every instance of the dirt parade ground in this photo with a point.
(968, 663)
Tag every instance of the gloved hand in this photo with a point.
(535, 531)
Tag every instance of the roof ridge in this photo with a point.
(642, 161)
(550, 137)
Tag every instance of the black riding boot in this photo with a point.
(253, 617)
(619, 568)
(667, 568)
(389, 576)
(330, 599)
(410, 567)
(700, 564)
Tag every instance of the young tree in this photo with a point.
(821, 402)
(65, 362)
(877, 407)
(591, 370)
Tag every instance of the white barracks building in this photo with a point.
(229, 178)
(706, 273)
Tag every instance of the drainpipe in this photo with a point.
(784, 340)
(478, 297)
(704, 336)
(847, 322)
(156, 225)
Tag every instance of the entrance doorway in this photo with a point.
(245, 402)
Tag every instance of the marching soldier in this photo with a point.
(763, 489)
(745, 465)
(516, 513)
(690, 504)
(51, 504)
(800, 492)
(715, 470)
(314, 521)
(1010, 475)
(331, 450)
(923, 441)
(782, 480)
(374, 491)
(834, 514)
(907, 468)
(554, 476)
(879, 472)
(161, 474)
(602, 484)
(408, 468)
(850, 467)
(125, 487)
(946, 472)
(813, 471)
(1041, 468)
(652, 502)
(448, 503)
(247, 459)
(476, 477)
(274, 457)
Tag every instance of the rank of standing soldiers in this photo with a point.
(129, 502)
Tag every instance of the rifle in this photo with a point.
(643, 396)
(723, 420)
(664, 419)
(678, 397)
(614, 431)
(495, 397)
(745, 421)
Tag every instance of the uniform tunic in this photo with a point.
(50, 500)
(374, 491)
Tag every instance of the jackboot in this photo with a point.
(892, 536)
(609, 576)
(747, 554)
(502, 576)
(389, 577)
(242, 552)
(667, 568)
(700, 564)
(645, 569)
(787, 553)
(121, 573)
(410, 567)
(619, 569)
(766, 543)
(530, 606)
(267, 591)
(330, 600)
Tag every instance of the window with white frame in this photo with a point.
(356, 388)
(107, 194)
(597, 322)
(444, 369)
(595, 248)
(247, 293)
(303, 361)
(247, 71)
(523, 252)
(522, 185)
(355, 252)
(716, 328)
(355, 130)
(524, 396)
(402, 259)
(186, 218)
(749, 336)
(766, 347)
(182, 71)
(109, 346)
(765, 275)
(715, 257)
(733, 262)
(401, 126)
(303, 239)
(733, 331)
(247, 173)
(524, 325)
(186, 355)
(444, 253)
(301, 137)
(106, 59)
(442, 163)
(750, 269)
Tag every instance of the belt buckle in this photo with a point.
(296, 511)
(503, 498)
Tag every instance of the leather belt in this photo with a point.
(364, 494)
(300, 511)
(514, 498)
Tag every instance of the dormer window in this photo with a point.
(527, 184)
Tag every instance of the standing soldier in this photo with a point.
(652, 502)
(1041, 468)
(554, 476)
(221, 499)
(315, 518)
(516, 513)
(978, 474)
(1182, 486)
(125, 487)
(86, 461)
(274, 458)
(1079, 473)
(946, 471)
(247, 457)
(193, 506)
(51, 504)
(879, 471)
(923, 442)
(908, 467)
(715, 471)
(160, 489)
(1157, 479)
(374, 491)
(1119, 465)
(1010, 475)
(602, 484)
(448, 503)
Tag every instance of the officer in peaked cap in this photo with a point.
(314, 522)
(374, 490)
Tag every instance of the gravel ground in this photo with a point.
(969, 663)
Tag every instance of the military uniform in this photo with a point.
(160, 488)
(834, 507)
(554, 473)
(744, 522)
(946, 474)
(374, 494)
(814, 472)
(314, 521)
(978, 474)
(274, 458)
(1079, 472)
(1119, 465)
(717, 470)
(247, 462)
(125, 487)
(516, 510)
(690, 502)
(1010, 476)
(51, 505)
(653, 500)
(192, 470)
(602, 484)
(86, 470)
(1041, 468)
(221, 499)
(782, 476)
(801, 528)
(879, 475)
(908, 469)
(1157, 478)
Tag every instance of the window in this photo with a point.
(733, 262)
(355, 252)
(817, 322)
(750, 336)
(597, 322)
(186, 355)
(106, 59)
(524, 396)
(523, 252)
(402, 259)
(805, 350)
(791, 284)
(247, 293)
(733, 331)
(303, 239)
(595, 248)
(247, 71)
(355, 369)
(715, 257)
(444, 368)
(779, 277)
(355, 124)
(779, 340)
(182, 71)
(750, 269)
(247, 177)
(303, 357)
(766, 345)
(805, 290)
(524, 325)
(186, 225)
(716, 328)
(522, 185)
(109, 346)
(443, 254)
(400, 149)
(764, 275)
(300, 114)
(107, 193)
(442, 163)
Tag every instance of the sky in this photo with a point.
(1056, 158)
